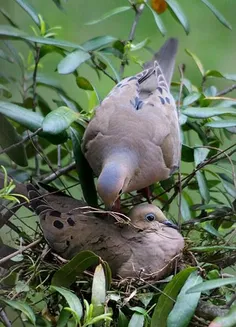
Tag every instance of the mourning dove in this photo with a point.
(147, 245)
(133, 140)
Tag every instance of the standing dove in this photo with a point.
(147, 245)
(133, 140)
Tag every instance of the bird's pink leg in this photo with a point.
(146, 193)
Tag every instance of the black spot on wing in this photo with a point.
(55, 213)
(132, 78)
(137, 103)
(167, 100)
(159, 89)
(162, 100)
(71, 222)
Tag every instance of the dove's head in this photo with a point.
(112, 182)
(147, 215)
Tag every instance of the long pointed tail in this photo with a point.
(37, 201)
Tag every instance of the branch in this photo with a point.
(58, 173)
(104, 71)
(138, 11)
(22, 141)
(24, 248)
(226, 91)
(4, 318)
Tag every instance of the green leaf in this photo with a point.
(177, 12)
(9, 137)
(59, 120)
(22, 307)
(200, 155)
(216, 73)
(158, 21)
(212, 248)
(25, 117)
(98, 42)
(186, 304)
(98, 291)
(191, 98)
(84, 170)
(185, 211)
(30, 10)
(187, 153)
(221, 123)
(8, 32)
(4, 91)
(6, 57)
(166, 299)
(136, 320)
(122, 320)
(218, 15)
(203, 112)
(203, 188)
(197, 61)
(109, 14)
(66, 275)
(72, 300)
(63, 318)
(72, 61)
(211, 284)
(83, 83)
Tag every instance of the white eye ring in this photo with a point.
(150, 217)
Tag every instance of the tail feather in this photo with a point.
(37, 202)
(166, 59)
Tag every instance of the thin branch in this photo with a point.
(58, 173)
(104, 71)
(231, 301)
(21, 142)
(29, 246)
(138, 12)
(226, 91)
(4, 318)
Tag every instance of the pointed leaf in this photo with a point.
(72, 61)
(177, 12)
(222, 123)
(104, 58)
(22, 307)
(213, 248)
(122, 320)
(66, 275)
(191, 98)
(83, 83)
(109, 14)
(197, 61)
(202, 112)
(59, 120)
(216, 73)
(84, 170)
(200, 155)
(158, 21)
(98, 291)
(72, 300)
(166, 299)
(187, 154)
(9, 137)
(218, 15)
(202, 184)
(211, 284)
(186, 304)
(8, 18)
(30, 10)
(185, 211)
(98, 42)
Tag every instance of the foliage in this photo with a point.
(44, 143)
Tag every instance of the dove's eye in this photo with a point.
(150, 217)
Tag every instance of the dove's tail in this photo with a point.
(37, 201)
(166, 59)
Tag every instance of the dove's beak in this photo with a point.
(170, 224)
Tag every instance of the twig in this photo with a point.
(8, 257)
(58, 173)
(138, 12)
(226, 91)
(209, 311)
(20, 142)
(59, 156)
(231, 301)
(34, 86)
(4, 318)
(104, 71)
